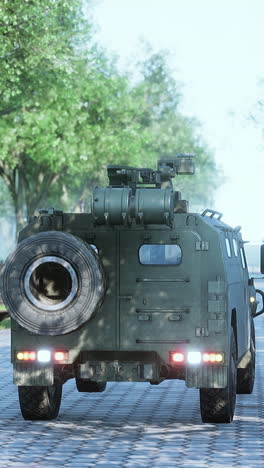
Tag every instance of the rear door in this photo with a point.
(160, 290)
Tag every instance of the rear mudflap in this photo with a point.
(206, 376)
(29, 374)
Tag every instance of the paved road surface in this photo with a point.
(132, 425)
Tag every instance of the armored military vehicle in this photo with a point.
(138, 290)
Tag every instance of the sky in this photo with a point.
(216, 52)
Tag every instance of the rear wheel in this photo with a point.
(246, 377)
(218, 404)
(89, 386)
(40, 403)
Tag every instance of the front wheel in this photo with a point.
(40, 403)
(218, 404)
(89, 387)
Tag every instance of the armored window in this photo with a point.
(243, 257)
(228, 247)
(160, 254)
(235, 247)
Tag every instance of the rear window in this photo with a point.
(160, 254)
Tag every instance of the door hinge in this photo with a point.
(202, 245)
(201, 331)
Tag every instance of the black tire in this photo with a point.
(40, 403)
(246, 377)
(218, 404)
(89, 386)
(52, 283)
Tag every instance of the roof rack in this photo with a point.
(212, 213)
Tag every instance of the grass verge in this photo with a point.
(5, 324)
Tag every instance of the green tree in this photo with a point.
(38, 44)
(66, 112)
(167, 132)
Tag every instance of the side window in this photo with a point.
(235, 247)
(243, 257)
(160, 254)
(228, 247)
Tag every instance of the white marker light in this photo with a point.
(194, 357)
(44, 355)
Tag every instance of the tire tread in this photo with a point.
(36, 403)
(89, 386)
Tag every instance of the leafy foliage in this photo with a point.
(66, 112)
(167, 132)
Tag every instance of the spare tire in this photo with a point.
(52, 283)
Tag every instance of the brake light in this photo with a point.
(196, 357)
(177, 358)
(42, 355)
(60, 356)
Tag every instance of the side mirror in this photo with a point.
(259, 291)
(262, 259)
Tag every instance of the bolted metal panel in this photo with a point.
(216, 287)
(217, 327)
(216, 306)
(117, 371)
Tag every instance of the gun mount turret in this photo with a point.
(143, 195)
(133, 177)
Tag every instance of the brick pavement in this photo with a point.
(131, 425)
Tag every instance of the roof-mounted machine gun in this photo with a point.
(143, 195)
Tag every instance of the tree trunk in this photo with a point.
(14, 183)
(18, 198)
(20, 220)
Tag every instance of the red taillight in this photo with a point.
(57, 356)
(60, 356)
(196, 357)
(26, 356)
(177, 357)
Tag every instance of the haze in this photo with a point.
(216, 51)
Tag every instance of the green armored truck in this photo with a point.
(138, 290)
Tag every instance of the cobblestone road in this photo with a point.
(132, 425)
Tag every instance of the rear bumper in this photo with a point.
(153, 371)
